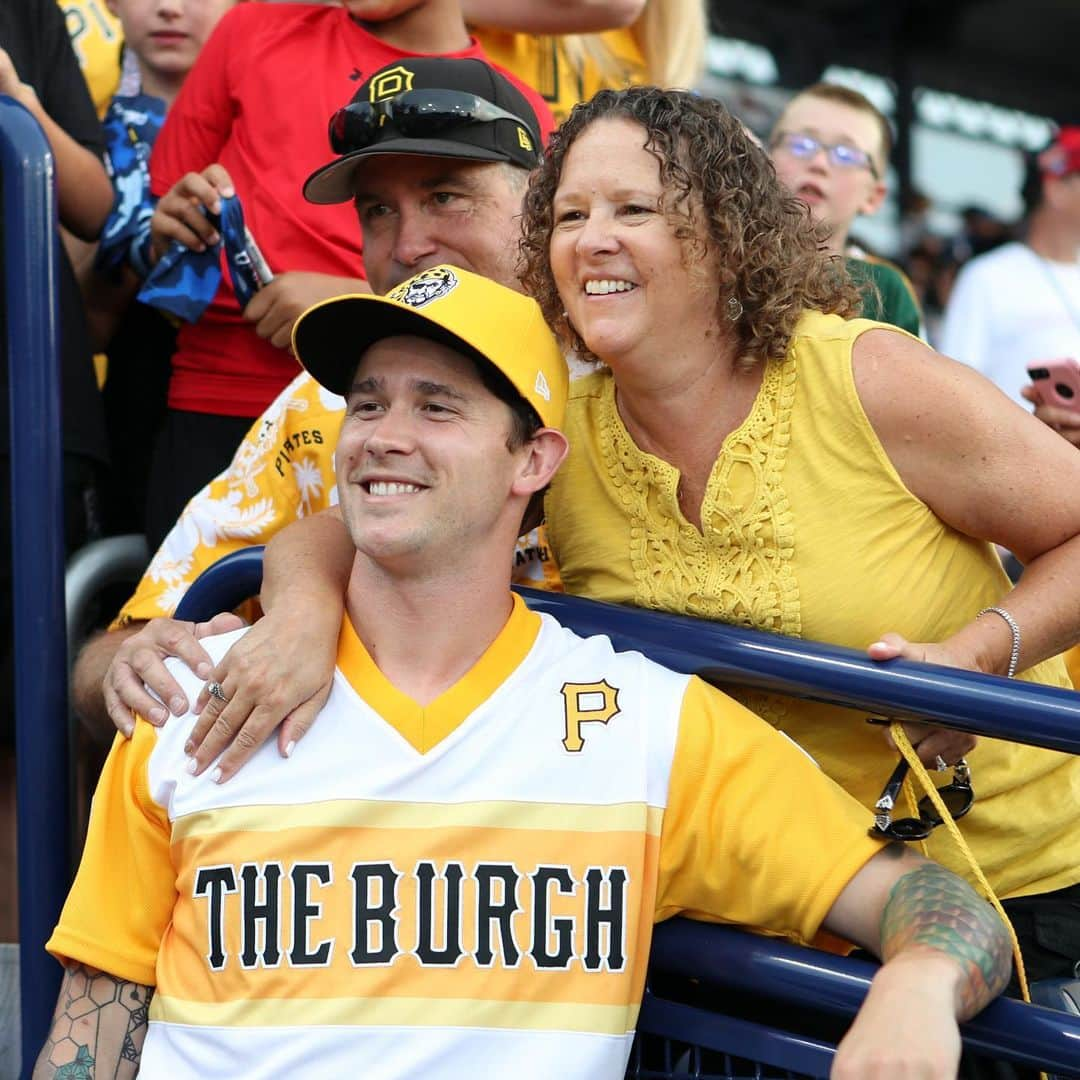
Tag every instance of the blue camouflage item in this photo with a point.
(185, 281)
(130, 127)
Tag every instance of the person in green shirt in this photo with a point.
(831, 147)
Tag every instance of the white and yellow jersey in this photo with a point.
(282, 471)
(465, 888)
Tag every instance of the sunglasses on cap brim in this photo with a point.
(414, 114)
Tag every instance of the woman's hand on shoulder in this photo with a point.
(137, 680)
(275, 678)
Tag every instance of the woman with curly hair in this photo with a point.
(749, 452)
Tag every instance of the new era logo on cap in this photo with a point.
(541, 386)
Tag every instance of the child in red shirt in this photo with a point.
(251, 118)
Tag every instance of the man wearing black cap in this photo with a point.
(250, 119)
(436, 153)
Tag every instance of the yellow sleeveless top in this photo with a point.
(808, 530)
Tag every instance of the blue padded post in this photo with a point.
(31, 256)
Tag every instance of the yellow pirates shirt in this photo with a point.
(282, 471)
(96, 37)
(465, 888)
(541, 61)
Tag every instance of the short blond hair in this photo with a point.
(844, 95)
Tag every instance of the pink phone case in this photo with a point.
(1057, 382)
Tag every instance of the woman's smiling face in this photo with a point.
(620, 269)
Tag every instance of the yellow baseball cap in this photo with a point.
(471, 314)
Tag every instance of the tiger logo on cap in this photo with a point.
(425, 287)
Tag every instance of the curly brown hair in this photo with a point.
(771, 258)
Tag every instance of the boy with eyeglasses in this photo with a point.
(250, 120)
(831, 148)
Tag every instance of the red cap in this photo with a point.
(1062, 156)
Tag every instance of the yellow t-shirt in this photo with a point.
(527, 828)
(541, 61)
(282, 471)
(96, 37)
(809, 531)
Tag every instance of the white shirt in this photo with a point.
(1010, 309)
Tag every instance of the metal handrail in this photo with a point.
(31, 259)
(981, 704)
(734, 960)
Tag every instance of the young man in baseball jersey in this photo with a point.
(458, 871)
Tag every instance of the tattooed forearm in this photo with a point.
(931, 907)
(98, 1028)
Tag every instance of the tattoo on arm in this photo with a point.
(98, 1027)
(931, 907)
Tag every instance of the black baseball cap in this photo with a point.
(515, 138)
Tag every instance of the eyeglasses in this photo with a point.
(842, 155)
(415, 113)
(958, 797)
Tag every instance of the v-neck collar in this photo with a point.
(425, 726)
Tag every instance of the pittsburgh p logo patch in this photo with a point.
(587, 703)
(388, 84)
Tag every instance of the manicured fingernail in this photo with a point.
(879, 645)
(203, 670)
(178, 705)
(214, 237)
(189, 747)
(216, 776)
(228, 192)
(290, 746)
(128, 730)
(157, 715)
(192, 765)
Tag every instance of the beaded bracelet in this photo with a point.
(1014, 627)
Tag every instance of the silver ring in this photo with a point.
(214, 690)
(939, 761)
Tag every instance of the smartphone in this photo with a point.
(1057, 382)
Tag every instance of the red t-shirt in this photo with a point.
(258, 101)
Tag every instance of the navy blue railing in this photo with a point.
(31, 255)
(735, 961)
(981, 704)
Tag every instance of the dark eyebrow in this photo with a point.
(461, 178)
(366, 386)
(434, 389)
(373, 385)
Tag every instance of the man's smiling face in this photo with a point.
(423, 461)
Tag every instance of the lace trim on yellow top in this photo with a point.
(741, 572)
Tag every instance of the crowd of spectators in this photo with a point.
(242, 127)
